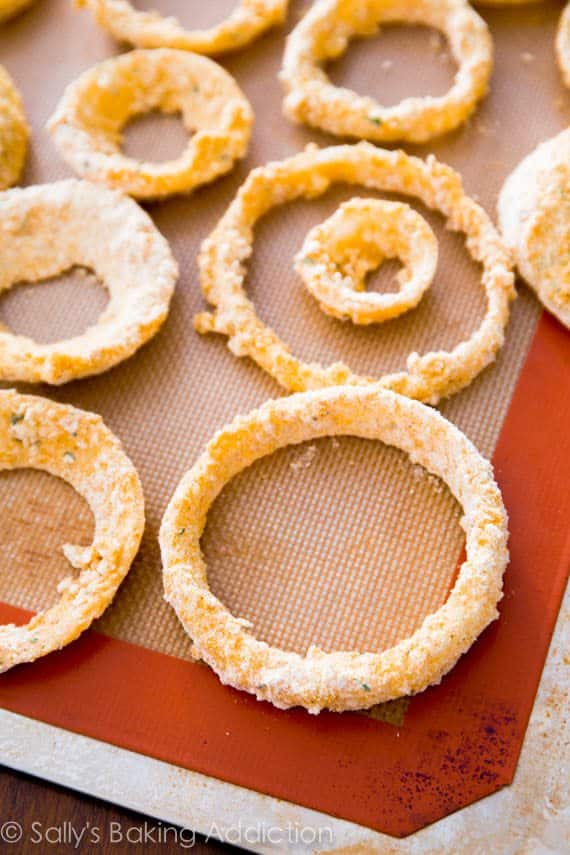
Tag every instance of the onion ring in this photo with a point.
(342, 680)
(10, 8)
(76, 446)
(89, 119)
(48, 229)
(504, 2)
(563, 44)
(534, 216)
(249, 20)
(337, 255)
(13, 132)
(309, 174)
(323, 34)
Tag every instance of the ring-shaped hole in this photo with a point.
(383, 66)
(34, 309)
(155, 136)
(328, 543)
(40, 513)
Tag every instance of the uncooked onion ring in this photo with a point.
(248, 20)
(563, 44)
(13, 132)
(534, 217)
(342, 680)
(76, 446)
(324, 33)
(48, 229)
(88, 122)
(309, 174)
(337, 255)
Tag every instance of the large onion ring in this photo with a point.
(48, 229)
(89, 119)
(76, 446)
(249, 20)
(13, 132)
(534, 216)
(309, 174)
(9, 8)
(323, 34)
(337, 255)
(342, 680)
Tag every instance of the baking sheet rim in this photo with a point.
(22, 736)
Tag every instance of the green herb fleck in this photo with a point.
(365, 686)
(16, 418)
(376, 120)
(308, 260)
(180, 532)
(34, 640)
(69, 457)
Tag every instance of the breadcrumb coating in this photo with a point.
(324, 34)
(342, 680)
(14, 132)
(76, 446)
(88, 122)
(534, 216)
(248, 20)
(309, 174)
(48, 229)
(338, 253)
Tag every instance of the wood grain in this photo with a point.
(48, 815)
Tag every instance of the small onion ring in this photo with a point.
(48, 229)
(13, 132)
(74, 445)
(342, 680)
(309, 174)
(323, 34)
(89, 119)
(10, 8)
(337, 255)
(249, 20)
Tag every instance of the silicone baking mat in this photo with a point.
(337, 542)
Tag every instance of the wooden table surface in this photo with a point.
(36, 817)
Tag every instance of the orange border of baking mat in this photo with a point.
(459, 741)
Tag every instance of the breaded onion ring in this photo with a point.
(324, 33)
(9, 8)
(337, 255)
(504, 2)
(13, 132)
(534, 216)
(74, 445)
(563, 44)
(248, 20)
(309, 174)
(90, 117)
(342, 680)
(48, 229)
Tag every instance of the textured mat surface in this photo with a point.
(337, 543)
